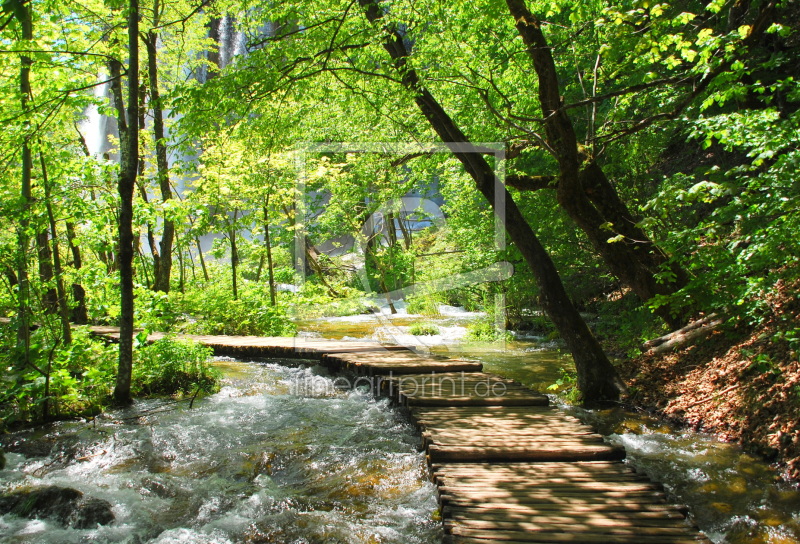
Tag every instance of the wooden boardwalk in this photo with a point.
(509, 468)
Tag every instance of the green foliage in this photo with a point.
(566, 386)
(424, 329)
(425, 304)
(81, 378)
(623, 324)
(484, 330)
(738, 230)
(173, 367)
(314, 300)
(216, 312)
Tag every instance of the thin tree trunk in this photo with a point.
(391, 231)
(140, 184)
(312, 260)
(270, 267)
(23, 15)
(162, 164)
(79, 313)
(45, 260)
(182, 267)
(63, 305)
(597, 378)
(11, 276)
(129, 153)
(234, 255)
(202, 259)
(261, 260)
(406, 232)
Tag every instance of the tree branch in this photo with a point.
(523, 182)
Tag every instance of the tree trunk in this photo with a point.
(234, 255)
(182, 268)
(45, 259)
(23, 14)
(63, 305)
(202, 259)
(162, 164)
(588, 197)
(129, 153)
(212, 54)
(140, 184)
(597, 378)
(270, 267)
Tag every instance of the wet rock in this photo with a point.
(2, 460)
(90, 513)
(64, 505)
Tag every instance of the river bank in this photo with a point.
(742, 384)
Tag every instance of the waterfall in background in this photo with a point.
(97, 128)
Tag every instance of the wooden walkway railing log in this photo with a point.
(509, 468)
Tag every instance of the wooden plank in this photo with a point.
(628, 517)
(479, 535)
(474, 401)
(586, 485)
(578, 526)
(533, 468)
(541, 507)
(543, 453)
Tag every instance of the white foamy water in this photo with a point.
(256, 462)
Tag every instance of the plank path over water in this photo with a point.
(509, 467)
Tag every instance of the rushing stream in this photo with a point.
(280, 455)
(734, 497)
(267, 459)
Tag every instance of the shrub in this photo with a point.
(81, 377)
(424, 329)
(566, 386)
(485, 331)
(216, 312)
(173, 367)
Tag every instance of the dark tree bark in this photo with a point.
(79, 313)
(23, 14)
(587, 195)
(597, 378)
(45, 259)
(63, 305)
(140, 184)
(234, 255)
(268, 246)
(163, 272)
(201, 258)
(129, 154)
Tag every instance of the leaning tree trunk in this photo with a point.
(129, 152)
(597, 378)
(588, 197)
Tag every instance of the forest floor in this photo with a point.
(742, 384)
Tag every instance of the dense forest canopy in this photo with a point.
(158, 169)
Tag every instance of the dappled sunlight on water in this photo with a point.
(734, 497)
(253, 463)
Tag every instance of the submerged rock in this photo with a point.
(64, 505)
